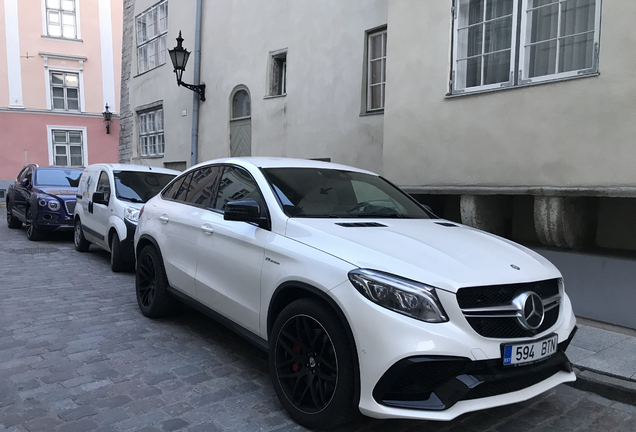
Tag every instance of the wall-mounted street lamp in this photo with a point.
(107, 118)
(179, 56)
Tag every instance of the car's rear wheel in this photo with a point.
(12, 221)
(81, 244)
(33, 233)
(311, 365)
(151, 284)
(117, 261)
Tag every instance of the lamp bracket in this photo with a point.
(198, 89)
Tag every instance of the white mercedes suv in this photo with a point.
(364, 299)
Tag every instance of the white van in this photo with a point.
(109, 198)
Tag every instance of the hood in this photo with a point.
(425, 250)
(60, 191)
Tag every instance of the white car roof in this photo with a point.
(281, 162)
(134, 167)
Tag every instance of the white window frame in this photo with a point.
(52, 86)
(382, 59)
(518, 69)
(157, 134)
(47, 80)
(45, 27)
(523, 69)
(155, 41)
(49, 133)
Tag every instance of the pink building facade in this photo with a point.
(60, 63)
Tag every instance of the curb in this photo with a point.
(609, 387)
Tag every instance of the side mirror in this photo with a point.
(25, 182)
(98, 198)
(245, 211)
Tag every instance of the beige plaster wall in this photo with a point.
(320, 116)
(577, 133)
(160, 84)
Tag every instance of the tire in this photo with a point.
(81, 244)
(117, 261)
(33, 233)
(312, 375)
(12, 221)
(151, 286)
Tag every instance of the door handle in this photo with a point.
(164, 219)
(207, 229)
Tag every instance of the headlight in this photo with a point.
(54, 205)
(403, 296)
(132, 214)
(42, 202)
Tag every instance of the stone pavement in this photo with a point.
(76, 355)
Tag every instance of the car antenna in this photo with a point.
(144, 161)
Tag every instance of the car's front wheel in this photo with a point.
(81, 244)
(151, 284)
(311, 365)
(12, 221)
(33, 233)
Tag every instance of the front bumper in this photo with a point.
(385, 340)
(53, 221)
(128, 244)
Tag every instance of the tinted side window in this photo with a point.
(170, 192)
(236, 184)
(203, 185)
(182, 193)
(103, 185)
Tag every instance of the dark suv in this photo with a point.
(43, 198)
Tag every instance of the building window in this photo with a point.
(67, 148)
(61, 18)
(278, 74)
(376, 70)
(556, 39)
(152, 29)
(65, 91)
(151, 141)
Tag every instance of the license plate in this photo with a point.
(529, 352)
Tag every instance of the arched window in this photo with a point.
(241, 105)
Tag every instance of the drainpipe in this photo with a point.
(194, 141)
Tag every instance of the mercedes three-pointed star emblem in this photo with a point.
(530, 311)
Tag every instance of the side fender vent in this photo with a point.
(360, 224)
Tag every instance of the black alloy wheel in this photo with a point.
(33, 233)
(311, 365)
(12, 221)
(151, 285)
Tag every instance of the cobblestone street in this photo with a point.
(77, 355)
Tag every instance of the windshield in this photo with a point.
(57, 177)
(139, 187)
(320, 193)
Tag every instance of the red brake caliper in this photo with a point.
(296, 365)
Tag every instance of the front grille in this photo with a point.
(70, 207)
(503, 295)
(504, 328)
(500, 295)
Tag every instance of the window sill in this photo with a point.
(62, 111)
(149, 70)
(61, 39)
(150, 157)
(275, 96)
(372, 113)
(520, 86)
